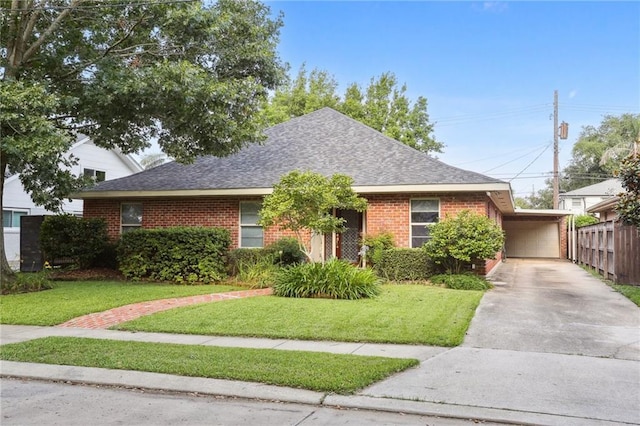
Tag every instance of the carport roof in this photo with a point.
(550, 213)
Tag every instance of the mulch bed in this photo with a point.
(87, 274)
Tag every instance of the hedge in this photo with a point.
(180, 254)
(404, 264)
(83, 241)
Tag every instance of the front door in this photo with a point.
(348, 242)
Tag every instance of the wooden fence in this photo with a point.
(612, 249)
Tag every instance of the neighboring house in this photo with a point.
(406, 189)
(94, 161)
(580, 200)
(605, 210)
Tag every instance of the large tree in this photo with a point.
(597, 153)
(192, 75)
(596, 156)
(382, 105)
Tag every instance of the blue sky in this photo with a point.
(487, 69)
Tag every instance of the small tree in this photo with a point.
(304, 201)
(628, 206)
(460, 240)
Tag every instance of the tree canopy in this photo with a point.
(194, 76)
(597, 153)
(382, 105)
(304, 201)
(628, 206)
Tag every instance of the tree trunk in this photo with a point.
(6, 273)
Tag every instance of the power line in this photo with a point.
(526, 110)
(597, 108)
(495, 156)
(532, 161)
(512, 160)
(466, 118)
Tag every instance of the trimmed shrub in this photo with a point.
(585, 220)
(463, 239)
(404, 264)
(286, 251)
(376, 245)
(461, 281)
(108, 257)
(336, 279)
(26, 282)
(80, 240)
(181, 254)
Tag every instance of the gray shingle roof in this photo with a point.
(609, 187)
(323, 141)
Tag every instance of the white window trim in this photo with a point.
(411, 223)
(128, 225)
(95, 173)
(14, 210)
(240, 225)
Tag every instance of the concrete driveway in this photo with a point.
(550, 343)
(555, 307)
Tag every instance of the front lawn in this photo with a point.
(410, 314)
(316, 371)
(73, 299)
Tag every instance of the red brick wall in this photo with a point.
(107, 209)
(386, 213)
(161, 213)
(563, 238)
(390, 212)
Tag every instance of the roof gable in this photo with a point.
(324, 141)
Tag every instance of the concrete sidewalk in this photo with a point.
(550, 345)
(410, 403)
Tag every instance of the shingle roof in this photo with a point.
(324, 141)
(608, 187)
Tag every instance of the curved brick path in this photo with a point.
(125, 313)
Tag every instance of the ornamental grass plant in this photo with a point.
(335, 279)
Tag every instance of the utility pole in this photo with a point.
(562, 132)
(556, 183)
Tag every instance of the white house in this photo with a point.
(98, 162)
(580, 200)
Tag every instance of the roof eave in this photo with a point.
(499, 192)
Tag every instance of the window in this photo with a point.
(98, 175)
(250, 232)
(130, 217)
(576, 204)
(423, 214)
(11, 218)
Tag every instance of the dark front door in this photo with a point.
(348, 242)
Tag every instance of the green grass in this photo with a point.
(631, 292)
(401, 314)
(73, 299)
(316, 371)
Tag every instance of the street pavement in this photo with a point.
(549, 345)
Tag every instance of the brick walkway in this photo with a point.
(125, 313)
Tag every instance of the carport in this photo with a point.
(536, 233)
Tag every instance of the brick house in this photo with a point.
(406, 189)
